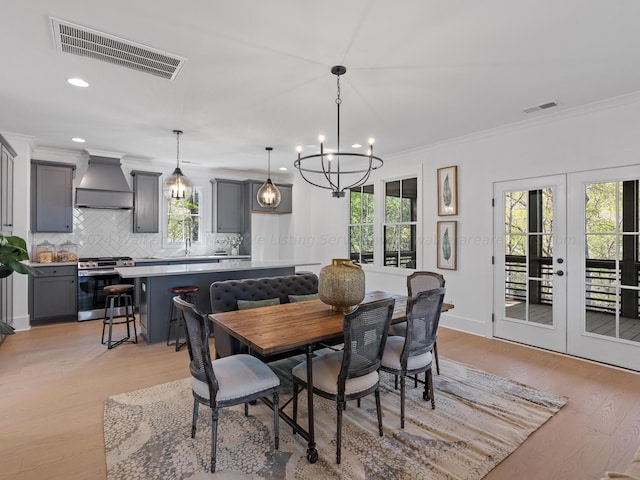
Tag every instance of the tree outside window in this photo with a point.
(361, 224)
(400, 226)
(183, 219)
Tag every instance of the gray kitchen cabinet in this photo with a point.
(53, 295)
(7, 154)
(228, 206)
(51, 196)
(286, 202)
(146, 204)
(6, 301)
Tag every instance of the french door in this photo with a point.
(530, 262)
(567, 264)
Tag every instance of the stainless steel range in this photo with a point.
(93, 275)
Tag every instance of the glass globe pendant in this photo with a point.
(177, 186)
(268, 194)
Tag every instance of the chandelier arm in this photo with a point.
(313, 183)
(327, 174)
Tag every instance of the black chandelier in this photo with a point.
(330, 173)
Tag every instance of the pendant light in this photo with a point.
(177, 186)
(268, 194)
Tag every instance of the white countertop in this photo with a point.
(189, 257)
(197, 268)
(50, 264)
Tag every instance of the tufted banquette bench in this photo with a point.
(224, 297)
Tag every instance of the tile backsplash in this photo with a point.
(107, 233)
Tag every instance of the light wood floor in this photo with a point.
(54, 380)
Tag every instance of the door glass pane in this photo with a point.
(540, 302)
(611, 270)
(529, 255)
(515, 210)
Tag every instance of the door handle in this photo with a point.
(559, 273)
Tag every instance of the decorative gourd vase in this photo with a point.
(234, 250)
(341, 285)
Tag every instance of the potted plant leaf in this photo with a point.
(12, 251)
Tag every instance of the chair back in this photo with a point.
(365, 335)
(423, 316)
(423, 281)
(196, 325)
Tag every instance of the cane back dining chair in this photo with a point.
(351, 373)
(421, 282)
(228, 381)
(411, 354)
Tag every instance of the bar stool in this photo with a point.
(175, 318)
(120, 294)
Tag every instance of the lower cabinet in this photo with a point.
(53, 295)
(6, 301)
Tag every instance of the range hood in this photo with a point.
(104, 185)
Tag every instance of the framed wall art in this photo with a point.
(447, 244)
(448, 191)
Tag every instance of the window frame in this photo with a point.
(166, 242)
(412, 224)
(362, 224)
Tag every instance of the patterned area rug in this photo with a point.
(478, 421)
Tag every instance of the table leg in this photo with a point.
(312, 453)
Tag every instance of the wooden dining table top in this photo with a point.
(289, 326)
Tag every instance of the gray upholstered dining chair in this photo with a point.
(411, 354)
(421, 282)
(351, 373)
(224, 382)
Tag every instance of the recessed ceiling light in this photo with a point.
(78, 82)
(356, 145)
(78, 140)
(284, 169)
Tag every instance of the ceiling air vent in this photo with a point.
(542, 106)
(86, 42)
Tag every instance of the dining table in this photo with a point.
(295, 327)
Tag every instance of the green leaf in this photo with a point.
(12, 251)
(446, 191)
(6, 329)
(446, 245)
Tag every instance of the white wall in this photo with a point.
(595, 137)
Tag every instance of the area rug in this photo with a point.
(479, 420)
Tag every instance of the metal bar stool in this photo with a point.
(119, 296)
(176, 322)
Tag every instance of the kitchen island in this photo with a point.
(153, 283)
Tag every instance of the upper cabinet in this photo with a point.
(228, 206)
(51, 196)
(146, 204)
(7, 155)
(285, 200)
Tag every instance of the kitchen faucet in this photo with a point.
(187, 244)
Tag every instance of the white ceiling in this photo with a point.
(258, 72)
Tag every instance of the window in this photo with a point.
(400, 223)
(361, 224)
(183, 219)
